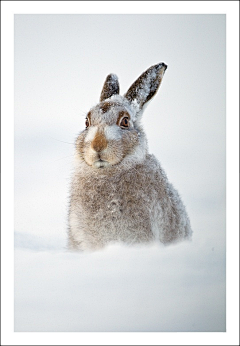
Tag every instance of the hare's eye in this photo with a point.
(124, 122)
(87, 123)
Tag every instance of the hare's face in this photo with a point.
(113, 134)
(109, 136)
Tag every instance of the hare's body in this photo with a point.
(119, 192)
(131, 205)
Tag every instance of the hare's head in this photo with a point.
(113, 134)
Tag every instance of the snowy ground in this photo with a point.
(58, 77)
(142, 289)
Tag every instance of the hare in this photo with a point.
(119, 192)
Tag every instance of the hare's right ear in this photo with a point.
(146, 86)
(110, 87)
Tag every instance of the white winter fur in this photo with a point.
(119, 191)
(112, 132)
(91, 133)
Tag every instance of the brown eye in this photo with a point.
(87, 123)
(124, 122)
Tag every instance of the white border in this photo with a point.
(231, 9)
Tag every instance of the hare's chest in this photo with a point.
(122, 199)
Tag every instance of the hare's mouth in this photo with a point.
(101, 164)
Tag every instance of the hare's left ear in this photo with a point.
(110, 87)
(146, 86)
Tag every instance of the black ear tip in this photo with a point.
(161, 65)
(164, 65)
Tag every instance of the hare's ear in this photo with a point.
(146, 86)
(110, 87)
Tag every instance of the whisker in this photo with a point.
(83, 113)
(65, 157)
(60, 140)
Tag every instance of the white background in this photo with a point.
(60, 65)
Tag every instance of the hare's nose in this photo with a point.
(99, 142)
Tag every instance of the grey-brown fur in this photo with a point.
(119, 192)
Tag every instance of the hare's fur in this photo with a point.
(119, 191)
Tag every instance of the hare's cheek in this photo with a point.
(114, 153)
(90, 155)
(79, 147)
(82, 149)
(130, 142)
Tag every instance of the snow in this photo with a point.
(139, 289)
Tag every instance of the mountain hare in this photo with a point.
(119, 191)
